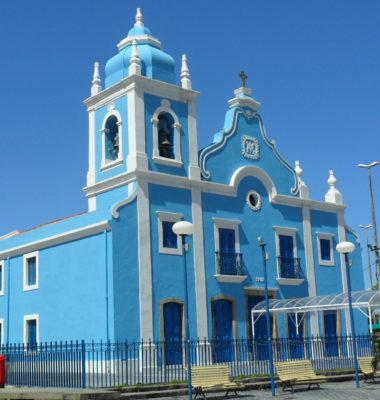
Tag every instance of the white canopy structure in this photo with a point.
(365, 301)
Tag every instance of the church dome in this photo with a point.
(155, 63)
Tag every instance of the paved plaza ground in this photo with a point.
(329, 391)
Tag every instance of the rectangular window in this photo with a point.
(325, 249)
(2, 268)
(31, 271)
(229, 260)
(169, 243)
(31, 331)
(287, 255)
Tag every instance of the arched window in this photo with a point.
(166, 135)
(111, 139)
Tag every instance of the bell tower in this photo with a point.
(141, 120)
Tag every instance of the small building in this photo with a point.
(115, 272)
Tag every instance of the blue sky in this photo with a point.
(314, 65)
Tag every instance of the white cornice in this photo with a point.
(205, 186)
(64, 237)
(151, 86)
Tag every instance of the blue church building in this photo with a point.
(115, 272)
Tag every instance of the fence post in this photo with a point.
(83, 348)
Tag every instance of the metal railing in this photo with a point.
(80, 364)
(289, 267)
(229, 263)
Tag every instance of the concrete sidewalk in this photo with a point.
(329, 391)
(56, 394)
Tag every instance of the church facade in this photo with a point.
(115, 272)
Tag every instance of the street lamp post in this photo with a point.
(262, 244)
(184, 229)
(366, 227)
(345, 248)
(376, 245)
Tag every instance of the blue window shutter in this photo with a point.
(325, 246)
(286, 246)
(32, 332)
(226, 240)
(169, 239)
(32, 273)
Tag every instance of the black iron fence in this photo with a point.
(104, 364)
(229, 263)
(289, 267)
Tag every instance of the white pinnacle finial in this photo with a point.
(298, 169)
(96, 82)
(135, 63)
(139, 18)
(185, 74)
(333, 195)
(303, 189)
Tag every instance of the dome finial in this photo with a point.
(185, 74)
(135, 63)
(139, 18)
(333, 195)
(96, 81)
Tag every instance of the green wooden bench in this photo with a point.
(365, 364)
(208, 377)
(292, 373)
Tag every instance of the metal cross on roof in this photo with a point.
(243, 76)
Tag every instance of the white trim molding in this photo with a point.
(165, 108)
(168, 217)
(54, 240)
(31, 317)
(108, 164)
(26, 258)
(2, 274)
(330, 238)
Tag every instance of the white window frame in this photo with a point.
(25, 277)
(221, 223)
(2, 325)
(108, 164)
(2, 265)
(285, 231)
(168, 217)
(31, 317)
(330, 237)
(177, 160)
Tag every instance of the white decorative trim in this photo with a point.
(140, 39)
(145, 262)
(310, 266)
(290, 282)
(168, 217)
(91, 174)
(154, 87)
(131, 196)
(230, 278)
(27, 257)
(226, 134)
(330, 237)
(2, 272)
(137, 159)
(230, 190)
(119, 160)
(250, 147)
(54, 240)
(259, 201)
(199, 264)
(167, 161)
(176, 134)
(194, 170)
(31, 317)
